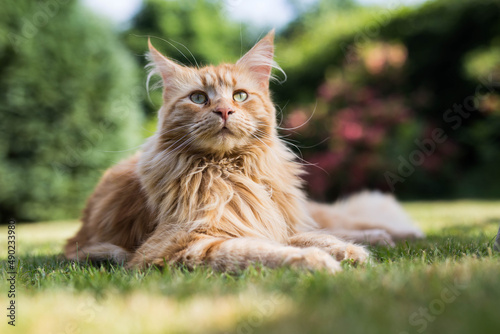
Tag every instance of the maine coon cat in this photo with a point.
(216, 186)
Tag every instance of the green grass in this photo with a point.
(447, 283)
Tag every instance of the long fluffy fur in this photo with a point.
(197, 196)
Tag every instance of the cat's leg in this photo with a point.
(365, 217)
(99, 252)
(340, 249)
(232, 254)
(370, 236)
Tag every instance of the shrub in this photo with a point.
(382, 82)
(69, 98)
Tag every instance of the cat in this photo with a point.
(215, 186)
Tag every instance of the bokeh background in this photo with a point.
(401, 96)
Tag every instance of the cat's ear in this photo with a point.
(159, 64)
(259, 60)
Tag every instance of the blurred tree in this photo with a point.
(69, 102)
(440, 38)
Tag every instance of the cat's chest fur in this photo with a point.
(233, 196)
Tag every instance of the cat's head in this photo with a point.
(218, 109)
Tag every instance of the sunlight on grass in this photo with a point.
(469, 216)
(42, 238)
(64, 312)
(58, 296)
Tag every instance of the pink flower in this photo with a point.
(296, 120)
(351, 131)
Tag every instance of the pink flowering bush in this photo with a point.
(359, 124)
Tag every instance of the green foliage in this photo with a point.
(377, 80)
(419, 62)
(69, 99)
(200, 26)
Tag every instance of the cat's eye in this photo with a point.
(240, 96)
(199, 97)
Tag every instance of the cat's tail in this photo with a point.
(369, 216)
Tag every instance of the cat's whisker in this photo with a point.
(267, 135)
(182, 145)
(301, 160)
(281, 114)
(301, 125)
(178, 140)
(130, 149)
(315, 145)
(185, 47)
(285, 141)
(261, 141)
(173, 129)
(290, 141)
(190, 140)
(188, 145)
(178, 50)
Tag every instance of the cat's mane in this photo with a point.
(234, 194)
(250, 191)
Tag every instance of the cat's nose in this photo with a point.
(224, 112)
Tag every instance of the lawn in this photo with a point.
(447, 283)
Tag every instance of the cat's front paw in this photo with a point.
(348, 251)
(313, 258)
(356, 253)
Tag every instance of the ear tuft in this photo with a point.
(161, 65)
(259, 60)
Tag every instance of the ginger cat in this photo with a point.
(216, 186)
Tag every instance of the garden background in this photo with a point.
(397, 98)
(404, 99)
